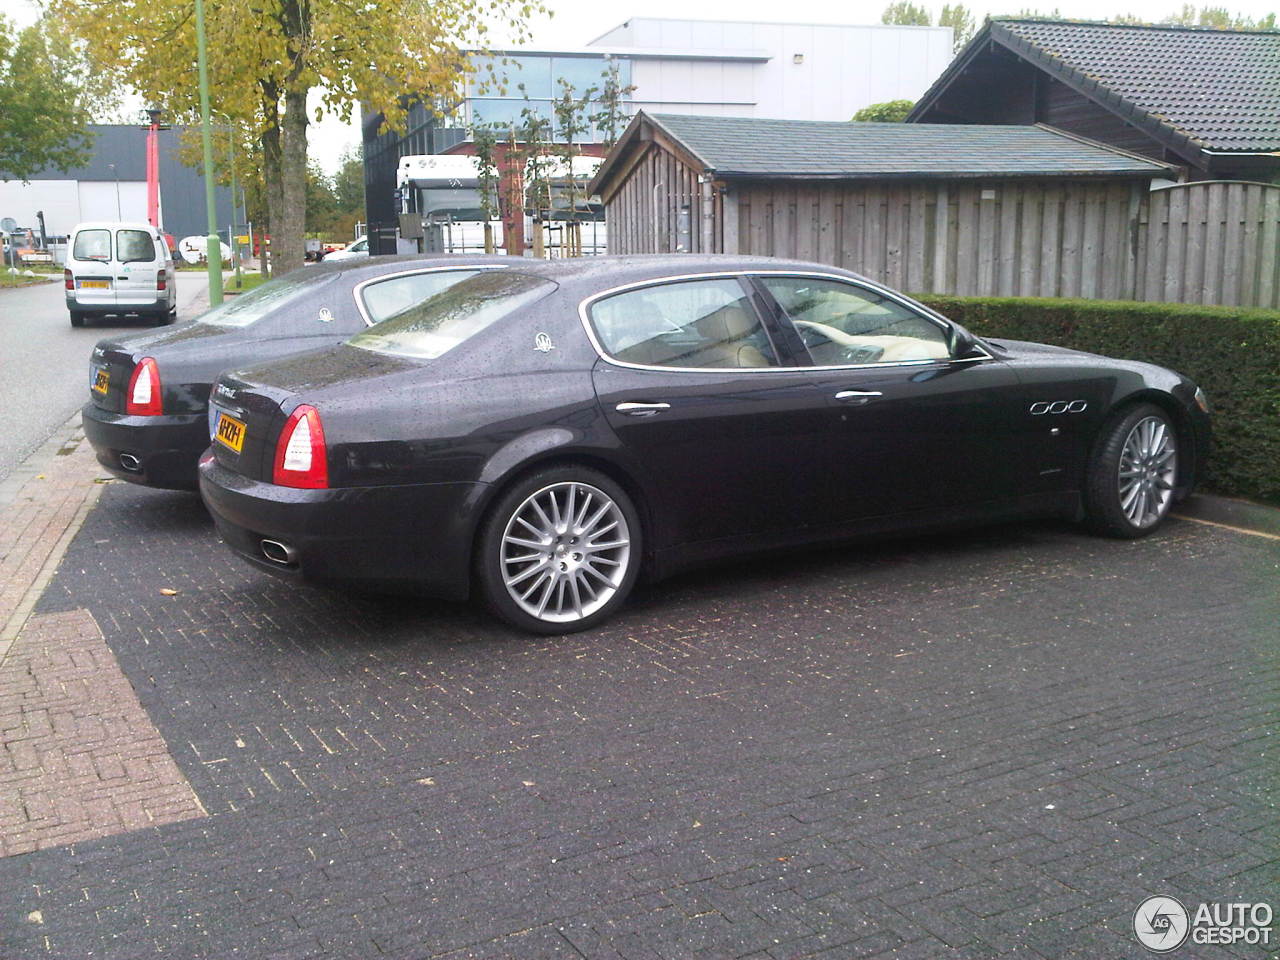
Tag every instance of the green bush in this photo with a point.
(1232, 353)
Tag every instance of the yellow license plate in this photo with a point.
(100, 380)
(95, 284)
(230, 432)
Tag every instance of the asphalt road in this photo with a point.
(46, 361)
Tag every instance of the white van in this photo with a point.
(119, 269)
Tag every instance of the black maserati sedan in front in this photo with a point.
(147, 415)
(544, 434)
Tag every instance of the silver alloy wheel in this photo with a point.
(565, 552)
(1148, 467)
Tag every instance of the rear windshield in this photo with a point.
(135, 246)
(431, 328)
(92, 245)
(249, 308)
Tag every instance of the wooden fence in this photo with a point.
(1208, 242)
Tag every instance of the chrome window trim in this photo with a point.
(585, 317)
(357, 292)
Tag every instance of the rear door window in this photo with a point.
(384, 299)
(692, 324)
(135, 246)
(92, 245)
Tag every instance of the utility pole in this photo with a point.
(214, 243)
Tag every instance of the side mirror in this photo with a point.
(963, 343)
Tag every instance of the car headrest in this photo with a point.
(730, 322)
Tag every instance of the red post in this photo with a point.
(153, 175)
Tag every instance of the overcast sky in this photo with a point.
(576, 22)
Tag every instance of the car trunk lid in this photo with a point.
(245, 419)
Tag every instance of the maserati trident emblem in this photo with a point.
(542, 343)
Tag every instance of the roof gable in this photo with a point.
(1214, 89)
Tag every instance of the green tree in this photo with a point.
(572, 123)
(892, 111)
(485, 139)
(45, 103)
(904, 12)
(268, 58)
(348, 183)
(961, 21)
(612, 117)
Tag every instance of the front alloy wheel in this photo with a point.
(561, 551)
(1132, 473)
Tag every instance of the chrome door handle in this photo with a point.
(858, 397)
(633, 409)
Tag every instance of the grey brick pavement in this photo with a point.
(992, 744)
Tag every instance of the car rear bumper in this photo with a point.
(120, 304)
(403, 537)
(165, 448)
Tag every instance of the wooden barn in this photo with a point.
(942, 208)
(980, 210)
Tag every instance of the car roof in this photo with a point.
(113, 225)
(377, 266)
(619, 269)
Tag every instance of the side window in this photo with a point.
(92, 245)
(844, 324)
(135, 246)
(386, 298)
(691, 323)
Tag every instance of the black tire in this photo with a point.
(489, 561)
(171, 317)
(1104, 506)
(77, 318)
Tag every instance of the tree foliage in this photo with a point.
(906, 13)
(892, 111)
(46, 103)
(267, 57)
(961, 21)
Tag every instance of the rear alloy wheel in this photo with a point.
(560, 551)
(1131, 478)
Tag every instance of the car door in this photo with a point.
(92, 269)
(908, 426)
(136, 266)
(702, 399)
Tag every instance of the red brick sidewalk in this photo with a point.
(79, 757)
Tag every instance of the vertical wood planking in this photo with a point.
(1010, 197)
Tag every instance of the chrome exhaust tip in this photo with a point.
(131, 463)
(278, 552)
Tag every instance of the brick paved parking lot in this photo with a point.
(990, 744)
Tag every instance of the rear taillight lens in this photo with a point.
(160, 280)
(302, 460)
(68, 281)
(143, 396)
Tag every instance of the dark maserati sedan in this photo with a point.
(545, 434)
(147, 415)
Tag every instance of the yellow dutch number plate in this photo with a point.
(100, 380)
(230, 432)
(95, 284)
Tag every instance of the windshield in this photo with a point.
(429, 329)
(92, 245)
(251, 307)
(135, 246)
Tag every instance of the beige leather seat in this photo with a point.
(727, 329)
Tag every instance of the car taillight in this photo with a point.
(160, 280)
(143, 396)
(302, 460)
(68, 281)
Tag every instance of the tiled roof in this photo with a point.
(739, 146)
(1218, 88)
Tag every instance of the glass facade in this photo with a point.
(502, 88)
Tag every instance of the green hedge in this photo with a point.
(1233, 353)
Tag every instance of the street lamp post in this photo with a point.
(214, 243)
(112, 168)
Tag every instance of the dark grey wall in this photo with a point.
(181, 187)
